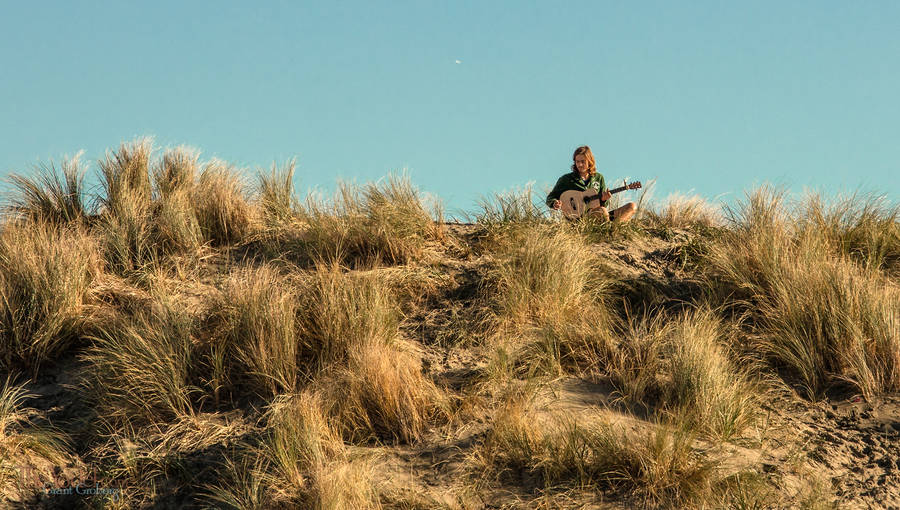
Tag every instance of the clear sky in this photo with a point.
(471, 97)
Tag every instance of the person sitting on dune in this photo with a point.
(584, 175)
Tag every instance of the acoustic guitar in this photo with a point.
(575, 203)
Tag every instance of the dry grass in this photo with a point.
(309, 465)
(127, 237)
(820, 315)
(125, 177)
(24, 445)
(558, 349)
(658, 465)
(680, 211)
(223, 213)
(52, 195)
(545, 274)
(710, 389)
(45, 278)
(306, 341)
(385, 222)
(256, 340)
(141, 366)
(176, 171)
(865, 228)
(276, 198)
(517, 207)
(176, 229)
(381, 394)
(680, 368)
(344, 312)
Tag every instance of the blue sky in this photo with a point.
(704, 96)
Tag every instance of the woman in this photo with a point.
(584, 175)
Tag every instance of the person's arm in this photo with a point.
(604, 192)
(556, 192)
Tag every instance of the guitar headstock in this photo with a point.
(634, 185)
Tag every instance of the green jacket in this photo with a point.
(571, 181)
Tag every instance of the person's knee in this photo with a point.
(599, 212)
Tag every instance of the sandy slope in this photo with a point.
(849, 446)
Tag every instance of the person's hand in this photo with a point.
(605, 195)
(556, 205)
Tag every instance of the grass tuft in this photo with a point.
(819, 314)
(223, 213)
(53, 195)
(310, 466)
(45, 278)
(141, 367)
(257, 338)
(658, 465)
(382, 394)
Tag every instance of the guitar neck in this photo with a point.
(618, 190)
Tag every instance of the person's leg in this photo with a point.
(599, 213)
(623, 213)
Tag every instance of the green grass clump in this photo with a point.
(45, 279)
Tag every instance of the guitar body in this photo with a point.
(575, 203)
